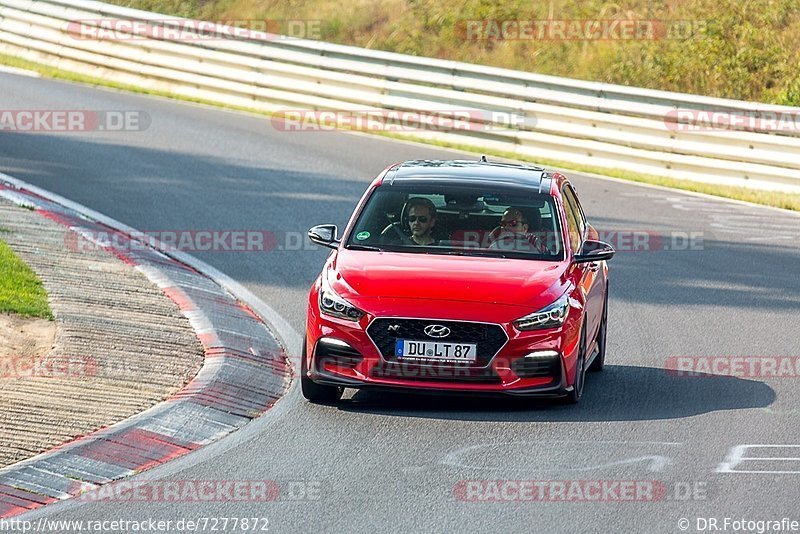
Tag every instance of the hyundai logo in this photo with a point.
(436, 330)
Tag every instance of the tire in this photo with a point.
(313, 392)
(599, 362)
(574, 396)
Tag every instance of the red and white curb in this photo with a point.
(245, 372)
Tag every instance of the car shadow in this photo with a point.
(619, 393)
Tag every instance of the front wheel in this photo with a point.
(316, 393)
(574, 396)
(600, 360)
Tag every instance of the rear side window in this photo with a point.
(572, 199)
(573, 224)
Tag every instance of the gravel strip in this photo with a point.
(121, 345)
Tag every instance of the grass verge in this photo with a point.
(785, 201)
(21, 291)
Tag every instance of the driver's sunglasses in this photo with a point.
(512, 223)
(421, 218)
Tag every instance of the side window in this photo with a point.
(573, 227)
(569, 193)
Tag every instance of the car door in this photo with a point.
(591, 282)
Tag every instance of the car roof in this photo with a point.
(469, 172)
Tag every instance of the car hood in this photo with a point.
(531, 284)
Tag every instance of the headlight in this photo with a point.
(550, 317)
(332, 304)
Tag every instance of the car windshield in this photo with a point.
(469, 221)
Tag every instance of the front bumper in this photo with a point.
(357, 362)
(557, 390)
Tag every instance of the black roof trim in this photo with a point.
(466, 171)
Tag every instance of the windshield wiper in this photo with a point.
(475, 253)
(364, 247)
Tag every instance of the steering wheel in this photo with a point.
(393, 230)
(515, 242)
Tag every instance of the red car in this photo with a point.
(459, 276)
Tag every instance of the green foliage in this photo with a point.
(745, 50)
(21, 291)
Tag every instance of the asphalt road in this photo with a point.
(382, 462)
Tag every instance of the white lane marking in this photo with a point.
(453, 459)
(656, 463)
(745, 225)
(736, 456)
(773, 411)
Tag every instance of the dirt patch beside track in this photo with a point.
(117, 346)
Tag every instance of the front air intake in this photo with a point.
(336, 352)
(538, 365)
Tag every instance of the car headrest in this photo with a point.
(534, 218)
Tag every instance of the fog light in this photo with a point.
(542, 355)
(335, 342)
(538, 364)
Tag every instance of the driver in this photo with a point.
(421, 220)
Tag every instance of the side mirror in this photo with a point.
(593, 251)
(325, 235)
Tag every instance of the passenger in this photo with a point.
(514, 233)
(513, 220)
(421, 220)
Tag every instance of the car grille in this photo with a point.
(490, 338)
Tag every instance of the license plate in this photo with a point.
(438, 351)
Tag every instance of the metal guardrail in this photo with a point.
(585, 123)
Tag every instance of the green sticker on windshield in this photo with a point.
(361, 236)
